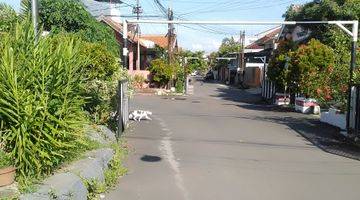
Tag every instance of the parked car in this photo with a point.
(209, 76)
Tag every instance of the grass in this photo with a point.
(115, 170)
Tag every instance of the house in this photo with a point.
(296, 33)
(147, 45)
(257, 56)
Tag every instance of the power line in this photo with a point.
(237, 6)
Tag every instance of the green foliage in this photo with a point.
(95, 188)
(40, 99)
(160, 52)
(112, 174)
(180, 80)
(8, 18)
(313, 69)
(102, 74)
(228, 46)
(116, 168)
(334, 86)
(330, 35)
(102, 63)
(138, 81)
(161, 71)
(71, 16)
(195, 61)
(276, 69)
(319, 75)
(5, 159)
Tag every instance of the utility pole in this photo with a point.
(242, 57)
(35, 15)
(137, 10)
(170, 39)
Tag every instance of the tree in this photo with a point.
(228, 45)
(195, 61)
(71, 16)
(315, 64)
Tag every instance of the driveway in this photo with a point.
(218, 144)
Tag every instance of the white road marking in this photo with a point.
(168, 153)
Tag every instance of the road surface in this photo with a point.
(217, 145)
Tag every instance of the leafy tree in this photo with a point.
(197, 64)
(71, 16)
(228, 45)
(276, 69)
(315, 65)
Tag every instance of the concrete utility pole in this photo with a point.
(137, 10)
(242, 57)
(170, 39)
(35, 16)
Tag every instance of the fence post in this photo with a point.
(119, 110)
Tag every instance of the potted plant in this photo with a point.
(7, 171)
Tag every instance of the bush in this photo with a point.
(180, 80)
(161, 71)
(138, 81)
(5, 159)
(102, 74)
(8, 18)
(314, 64)
(314, 69)
(40, 99)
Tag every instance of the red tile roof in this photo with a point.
(119, 28)
(268, 37)
(160, 40)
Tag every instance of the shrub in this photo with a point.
(40, 99)
(138, 81)
(161, 71)
(8, 17)
(5, 159)
(320, 75)
(102, 74)
(180, 80)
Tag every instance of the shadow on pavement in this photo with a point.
(148, 158)
(324, 136)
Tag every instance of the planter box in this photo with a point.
(281, 99)
(306, 106)
(335, 118)
(7, 176)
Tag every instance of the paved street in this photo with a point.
(218, 145)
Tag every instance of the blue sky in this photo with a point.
(206, 38)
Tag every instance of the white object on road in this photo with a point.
(281, 99)
(138, 115)
(335, 118)
(306, 106)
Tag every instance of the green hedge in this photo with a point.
(40, 99)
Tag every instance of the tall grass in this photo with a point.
(40, 99)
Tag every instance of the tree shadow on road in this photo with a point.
(324, 136)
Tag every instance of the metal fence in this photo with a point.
(268, 89)
(122, 107)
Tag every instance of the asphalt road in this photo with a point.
(218, 145)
